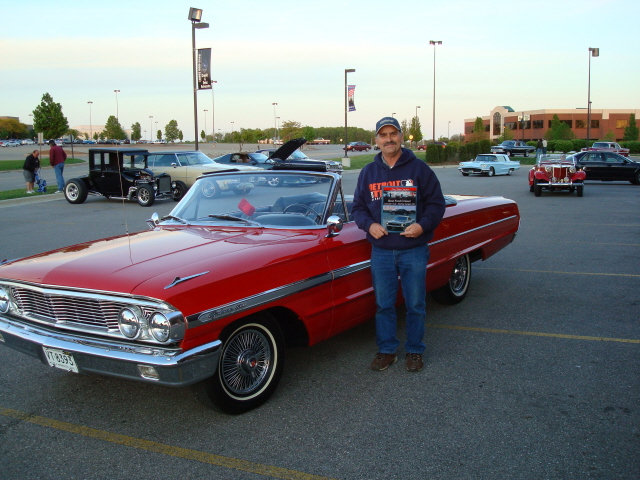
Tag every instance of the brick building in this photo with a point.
(532, 124)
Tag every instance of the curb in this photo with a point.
(28, 200)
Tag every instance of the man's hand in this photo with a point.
(377, 231)
(413, 231)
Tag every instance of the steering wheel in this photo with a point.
(307, 209)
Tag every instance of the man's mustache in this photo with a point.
(390, 143)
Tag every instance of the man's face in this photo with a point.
(389, 140)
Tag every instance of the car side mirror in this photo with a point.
(334, 226)
(153, 221)
(174, 165)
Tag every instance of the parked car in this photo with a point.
(513, 147)
(607, 166)
(119, 173)
(11, 143)
(357, 147)
(89, 142)
(27, 141)
(212, 293)
(399, 223)
(290, 153)
(246, 158)
(556, 174)
(186, 166)
(612, 147)
(437, 144)
(489, 164)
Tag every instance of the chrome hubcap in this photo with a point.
(246, 361)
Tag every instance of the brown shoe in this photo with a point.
(383, 360)
(414, 362)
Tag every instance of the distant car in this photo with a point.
(399, 223)
(607, 166)
(119, 173)
(556, 174)
(27, 141)
(290, 153)
(513, 147)
(607, 147)
(489, 164)
(89, 142)
(109, 141)
(246, 158)
(186, 166)
(437, 144)
(357, 147)
(11, 143)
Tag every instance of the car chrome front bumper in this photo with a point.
(174, 367)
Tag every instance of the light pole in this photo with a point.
(205, 126)
(448, 125)
(157, 129)
(417, 112)
(434, 43)
(213, 106)
(593, 52)
(151, 128)
(90, 124)
(346, 161)
(117, 115)
(275, 124)
(195, 15)
(393, 114)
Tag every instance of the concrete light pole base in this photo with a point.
(346, 162)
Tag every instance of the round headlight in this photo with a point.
(483, 166)
(547, 169)
(572, 169)
(160, 327)
(129, 323)
(461, 164)
(4, 300)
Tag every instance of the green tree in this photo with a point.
(479, 132)
(631, 130)
(309, 133)
(610, 137)
(559, 130)
(136, 131)
(404, 125)
(415, 129)
(181, 135)
(159, 135)
(96, 136)
(203, 135)
(12, 128)
(73, 133)
(506, 135)
(290, 129)
(48, 118)
(113, 129)
(171, 131)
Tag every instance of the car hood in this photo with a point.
(288, 148)
(145, 263)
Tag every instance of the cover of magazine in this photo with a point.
(398, 207)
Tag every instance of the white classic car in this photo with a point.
(489, 164)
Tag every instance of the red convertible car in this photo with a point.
(211, 294)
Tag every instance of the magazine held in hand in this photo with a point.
(399, 207)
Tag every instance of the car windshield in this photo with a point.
(298, 155)
(194, 158)
(281, 199)
(485, 158)
(258, 157)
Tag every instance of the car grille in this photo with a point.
(164, 183)
(62, 309)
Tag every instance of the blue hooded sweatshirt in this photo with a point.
(409, 170)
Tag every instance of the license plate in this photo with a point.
(60, 359)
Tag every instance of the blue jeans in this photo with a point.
(411, 266)
(59, 168)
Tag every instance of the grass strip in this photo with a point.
(17, 164)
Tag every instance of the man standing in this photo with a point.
(406, 253)
(29, 169)
(544, 146)
(57, 156)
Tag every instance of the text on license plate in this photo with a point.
(60, 359)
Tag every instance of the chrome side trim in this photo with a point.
(178, 280)
(472, 230)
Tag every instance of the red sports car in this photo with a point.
(212, 293)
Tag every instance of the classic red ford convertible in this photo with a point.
(212, 294)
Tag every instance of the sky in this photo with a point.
(527, 55)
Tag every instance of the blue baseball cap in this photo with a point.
(388, 121)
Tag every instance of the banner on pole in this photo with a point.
(350, 92)
(204, 69)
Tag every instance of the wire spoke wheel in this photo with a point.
(246, 362)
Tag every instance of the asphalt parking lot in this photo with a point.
(534, 376)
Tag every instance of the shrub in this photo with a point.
(432, 153)
(579, 144)
(551, 145)
(463, 153)
(450, 151)
(633, 146)
(532, 143)
(485, 146)
(564, 146)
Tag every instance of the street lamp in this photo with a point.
(151, 128)
(346, 162)
(90, 123)
(593, 52)
(417, 112)
(195, 15)
(393, 114)
(205, 125)
(434, 43)
(448, 125)
(117, 115)
(213, 105)
(275, 124)
(157, 128)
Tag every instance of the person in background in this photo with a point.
(544, 146)
(539, 148)
(57, 156)
(29, 169)
(403, 254)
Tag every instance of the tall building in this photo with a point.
(532, 124)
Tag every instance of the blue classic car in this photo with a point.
(489, 164)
